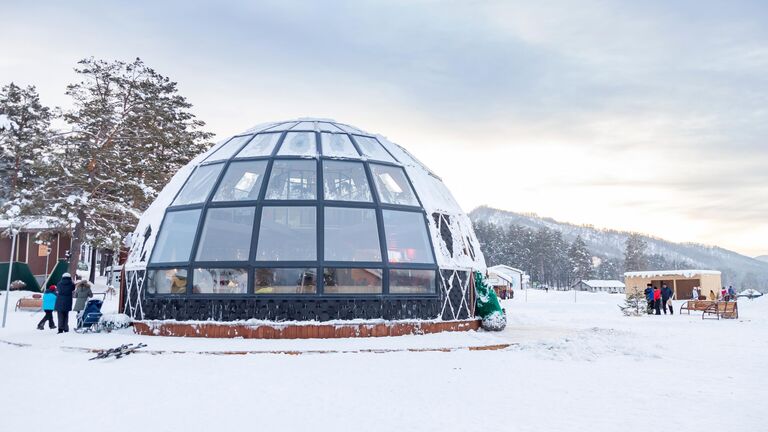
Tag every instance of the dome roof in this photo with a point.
(310, 192)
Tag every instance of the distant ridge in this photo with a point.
(739, 270)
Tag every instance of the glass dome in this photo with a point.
(303, 208)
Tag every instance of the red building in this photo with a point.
(32, 246)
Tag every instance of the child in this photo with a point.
(49, 301)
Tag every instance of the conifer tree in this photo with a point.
(580, 260)
(635, 258)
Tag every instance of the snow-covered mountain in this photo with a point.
(739, 270)
(763, 258)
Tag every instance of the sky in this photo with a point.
(643, 116)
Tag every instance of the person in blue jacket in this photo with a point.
(666, 296)
(49, 302)
(649, 298)
(64, 290)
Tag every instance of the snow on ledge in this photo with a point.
(660, 273)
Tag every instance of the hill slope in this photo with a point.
(737, 269)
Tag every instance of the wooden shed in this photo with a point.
(681, 281)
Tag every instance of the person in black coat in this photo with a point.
(666, 295)
(64, 290)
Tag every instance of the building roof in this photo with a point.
(597, 283)
(660, 273)
(36, 223)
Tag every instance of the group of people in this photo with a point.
(659, 299)
(724, 295)
(59, 298)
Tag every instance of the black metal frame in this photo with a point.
(319, 204)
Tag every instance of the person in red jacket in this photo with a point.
(657, 300)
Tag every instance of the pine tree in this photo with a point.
(131, 131)
(635, 258)
(24, 130)
(634, 304)
(580, 260)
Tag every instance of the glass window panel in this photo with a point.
(174, 242)
(298, 144)
(226, 234)
(351, 234)
(345, 181)
(329, 127)
(261, 145)
(285, 281)
(407, 239)
(393, 186)
(292, 180)
(220, 281)
(305, 125)
(229, 149)
(372, 149)
(199, 185)
(287, 234)
(338, 145)
(281, 126)
(167, 281)
(403, 281)
(348, 128)
(242, 181)
(352, 281)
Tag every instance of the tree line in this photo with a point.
(124, 135)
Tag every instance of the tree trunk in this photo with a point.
(92, 275)
(77, 242)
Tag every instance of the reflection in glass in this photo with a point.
(292, 180)
(285, 281)
(230, 148)
(298, 144)
(220, 281)
(352, 281)
(393, 186)
(351, 234)
(345, 181)
(261, 145)
(287, 234)
(167, 281)
(226, 234)
(372, 149)
(338, 145)
(407, 239)
(242, 181)
(199, 185)
(411, 281)
(174, 243)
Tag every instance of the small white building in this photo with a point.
(505, 280)
(609, 286)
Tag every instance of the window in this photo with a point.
(393, 186)
(345, 181)
(261, 145)
(167, 281)
(199, 185)
(227, 150)
(352, 281)
(285, 281)
(292, 180)
(305, 125)
(372, 149)
(174, 242)
(329, 127)
(411, 281)
(338, 145)
(242, 181)
(220, 281)
(287, 234)
(298, 144)
(407, 239)
(226, 234)
(351, 234)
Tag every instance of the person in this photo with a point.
(64, 290)
(695, 293)
(649, 298)
(666, 298)
(731, 293)
(49, 302)
(82, 294)
(657, 300)
(723, 294)
(712, 295)
(179, 282)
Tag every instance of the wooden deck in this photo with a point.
(300, 331)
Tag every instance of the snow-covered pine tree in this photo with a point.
(580, 260)
(634, 304)
(24, 131)
(635, 258)
(131, 131)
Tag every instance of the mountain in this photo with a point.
(763, 258)
(739, 270)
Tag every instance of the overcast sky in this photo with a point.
(647, 116)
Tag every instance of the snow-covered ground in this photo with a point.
(571, 366)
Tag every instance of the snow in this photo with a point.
(7, 123)
(661, 273)
(571, 366)
(604, 283)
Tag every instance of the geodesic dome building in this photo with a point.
(303, 220)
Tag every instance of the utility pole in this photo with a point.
(14, 234)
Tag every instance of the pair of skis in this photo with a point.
(119, 352)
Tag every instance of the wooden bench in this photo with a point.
(722, 309)
(696, 305)
(30, 303)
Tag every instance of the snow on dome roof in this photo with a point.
(660, 273)
(397, 180)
